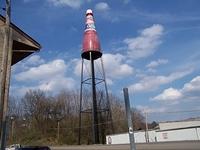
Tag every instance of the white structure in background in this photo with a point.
(140, 137)
(178, 131)
(167, 131)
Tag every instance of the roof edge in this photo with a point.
(22, 32)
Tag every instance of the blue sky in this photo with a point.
(150, 46)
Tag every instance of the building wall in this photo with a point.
(140, 137)
(198, 133)
(152, 136)
(156, 136)
(118, 139)
(178, 135)
(169, 131)
(178, 124)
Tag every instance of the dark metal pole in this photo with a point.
(94, 109)
(128, 115)
(80, 107)
(6, 71)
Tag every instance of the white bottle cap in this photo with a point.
(89, 11)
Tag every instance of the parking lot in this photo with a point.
(186, 145)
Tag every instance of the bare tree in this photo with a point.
(36, 107)
(41, 118)
(138, 119)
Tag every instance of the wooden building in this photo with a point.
(22, 44)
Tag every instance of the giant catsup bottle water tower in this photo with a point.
(100, 105)
(91, 49)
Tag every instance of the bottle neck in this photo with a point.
(89, 23)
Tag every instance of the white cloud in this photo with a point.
(48, 77)
(44, 71)
(114, 65)
(169, 94)
(109, 81)
(34, 60)
(156, 63)
(193, 85)
(57, 84)
(147, 109)
(102, 6)
(151, 70)
(146, 43)
(54, 86)
(69, 3)
(77, 69)
(18, 90)
(190, 91)
(150, 83)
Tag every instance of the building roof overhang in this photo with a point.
(23, 45)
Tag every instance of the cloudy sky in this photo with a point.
(150, 46)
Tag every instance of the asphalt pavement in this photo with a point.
(184, 145)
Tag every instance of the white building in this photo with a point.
(178, 131)
(179, 125)
(167, 131)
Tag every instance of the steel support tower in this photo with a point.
(93, 82)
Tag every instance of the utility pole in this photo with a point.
(5, 74)
(129, 120)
